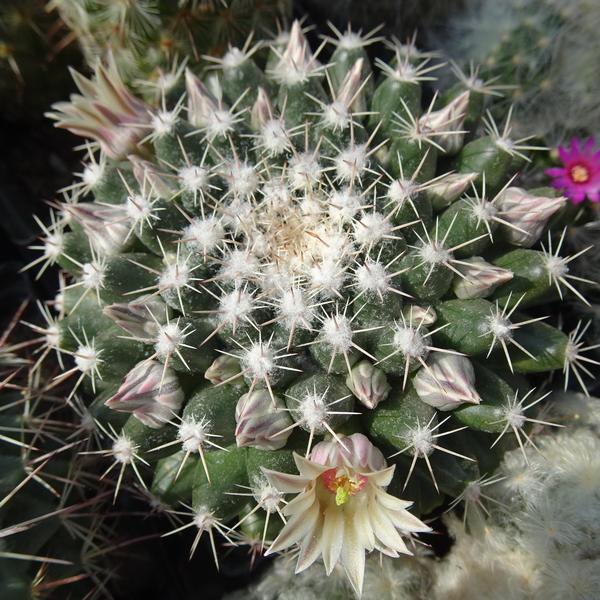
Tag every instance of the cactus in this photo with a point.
(53, 515)
(294, 275)
(146, 36)
(530, 524)
(544, 50)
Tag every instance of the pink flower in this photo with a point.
(580, 177)
(342, 508)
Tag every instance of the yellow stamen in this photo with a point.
(579, 174)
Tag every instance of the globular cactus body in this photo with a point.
(285, 276)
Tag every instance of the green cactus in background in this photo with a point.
(147, 36)
(547, 50)
(280, 276)
(54, 515)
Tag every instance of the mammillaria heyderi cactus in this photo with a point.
(279, 277)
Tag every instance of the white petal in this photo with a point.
(404, 521)
(364, 530)
(311, 546)
(384, 529)
(333, 536)
(309, 469)
(392, 553)
(382, 478)
(301, 503)
(297, 528)
(285, 482)
(353, 559)
(391, 502)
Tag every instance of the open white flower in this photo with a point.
(342, 508)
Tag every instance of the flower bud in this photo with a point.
(297, 61)
(447, 381)
(152, 178)
(417, 315)
(201, 103)
(449, 188)
(350, 87)
(141, 318)
(261, 421)
(526, 215)
(151, 392)
(448, 122)
(262, 111)
(480, 278)
(108, 227)
(368, 383)
(105, 111)
(223, 368)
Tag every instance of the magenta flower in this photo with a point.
(580, 177)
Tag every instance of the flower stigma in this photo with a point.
(343, 486)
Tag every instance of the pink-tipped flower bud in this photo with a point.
(448, 122)
(368, 383)
(417, 315)
(297, 61)
(108, 227)
(526, 214)
(349, 92)
(151, 392)
(141, 317)
(479, 278)
(205, 110)
(262, 421)
(156, 181)
(201, 103)
(448, 188)
(447, 382)
(262, 110)
(224, 368)
(105, 111)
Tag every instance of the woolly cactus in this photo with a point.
(531, 527)
(286, 276)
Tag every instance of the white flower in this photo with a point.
(342, 508)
